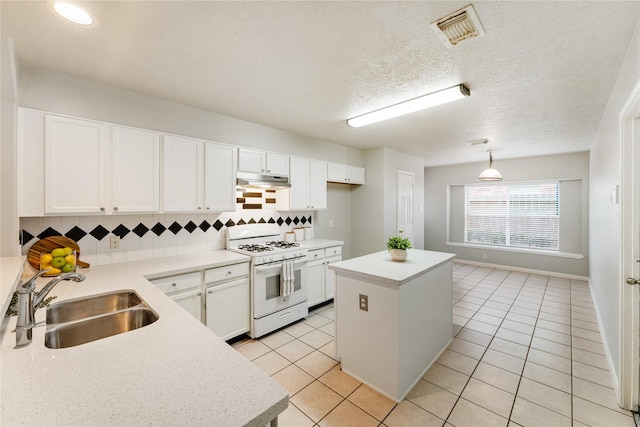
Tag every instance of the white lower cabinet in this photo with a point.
(191, 301)
(228, 308)
(218, 297)
(321, 282)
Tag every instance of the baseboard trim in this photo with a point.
(524, 270)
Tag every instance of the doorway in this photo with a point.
(404, 222)
(629, 372)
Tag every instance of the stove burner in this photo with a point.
(255, 248)
(282, 244)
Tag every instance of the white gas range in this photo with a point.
(278, 276)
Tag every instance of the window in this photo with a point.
(519, 215)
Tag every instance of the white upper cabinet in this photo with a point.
(135, 170)
(219, 177)
(182, 174)
(308, 179)
(339, 172)
(258, 161)
(75, 162)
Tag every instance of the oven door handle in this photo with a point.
(277, 266)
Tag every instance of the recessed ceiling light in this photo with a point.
(73, 13)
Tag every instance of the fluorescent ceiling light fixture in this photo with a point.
(416, 104)
(73, 13)
(490, 174)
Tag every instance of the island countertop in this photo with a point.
(174, 371)
(378, 268)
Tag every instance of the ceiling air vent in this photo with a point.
(461, 25)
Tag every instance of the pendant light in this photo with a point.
(490, 174)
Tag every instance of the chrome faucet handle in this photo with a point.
(30, 285)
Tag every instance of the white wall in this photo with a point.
(565, 166)
(9, 245)
(374, 204)
(604, 226)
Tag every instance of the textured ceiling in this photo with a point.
(539, 78)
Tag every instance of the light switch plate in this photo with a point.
(364, 302)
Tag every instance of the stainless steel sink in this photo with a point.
(82, 308)
(82, 332)
(95, 317)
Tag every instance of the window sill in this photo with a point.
(518, 250)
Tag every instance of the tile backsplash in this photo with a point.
(153, 235)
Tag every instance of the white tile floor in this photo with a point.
(527, 352)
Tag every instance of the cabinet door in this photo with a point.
(227, 309)
(315, 281)
(336, 172)
(219, 177)
(75, 166)
(182, 174)
(251, 160)
(135, 170)
(317, 184)
(299, 179)
(355, 175)
(330, 278)
(192, 302)
(278, 164)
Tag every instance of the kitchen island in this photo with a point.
(393, 319)
(174, 371)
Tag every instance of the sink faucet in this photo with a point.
(28, 303)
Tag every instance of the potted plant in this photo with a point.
(398, 246)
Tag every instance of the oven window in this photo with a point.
(272, 284)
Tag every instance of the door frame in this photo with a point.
(629, 322)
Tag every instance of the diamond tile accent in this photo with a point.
(25, 237)
(303, 220)
(271, 221)
(121, 231)
(241, 222)
(48, 232)
(190, 226)
(280, 221)
(76, 233)
(262, 221)
(175, 227)
(140, 230)
(218, 225)
(204, 226)
(158, 229)
(288, 221)
(252, 221)
(230, 223)
(296, 220)
(99, 232)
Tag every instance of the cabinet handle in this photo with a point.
(101, 209)
(208, 208)
(115, 208)
(174, 284)
(199, 294)
(210, 292)
(228, 273)
(199, 208)
(268, 170)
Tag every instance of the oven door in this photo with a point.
(266, 288)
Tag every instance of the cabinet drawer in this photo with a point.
(181, 282)
(224, 273)
(315, 255)
(333, 251)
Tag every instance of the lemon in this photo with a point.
(45, 259)
(67, 250)
(70, 259)
(53, 271)
(59, 252)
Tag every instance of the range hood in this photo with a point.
(258, 180)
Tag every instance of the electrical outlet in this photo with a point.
(364, 302)
(114, 242)
(330, 223)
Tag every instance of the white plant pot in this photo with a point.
(398, 254)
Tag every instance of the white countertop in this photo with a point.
(174, 371)
(380, 269)
(319, 243)
(10, 271)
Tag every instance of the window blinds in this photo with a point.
(521, 215)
